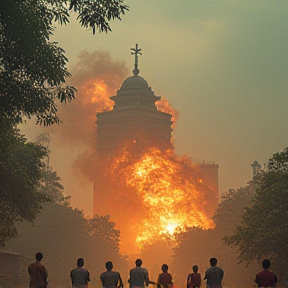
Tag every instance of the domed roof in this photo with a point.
(134, 82)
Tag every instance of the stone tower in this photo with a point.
(134, 123)
(134, 118)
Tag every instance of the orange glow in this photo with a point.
(96, 92)
(170, 198)
(164, 106)
(150, 195)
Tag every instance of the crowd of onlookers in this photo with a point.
(139, 277)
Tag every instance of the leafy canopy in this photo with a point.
(32, 68)
(32, 81)
(263, 232)
(20, 171)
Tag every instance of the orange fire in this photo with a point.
(164, 106)
(170, 197)
(150, 196)
(95, 92)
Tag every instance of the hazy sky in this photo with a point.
(222, 64)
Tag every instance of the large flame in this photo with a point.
(164, 106)
(95, 92)
(169, 195)
(151, 195)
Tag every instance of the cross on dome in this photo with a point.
(136, 52)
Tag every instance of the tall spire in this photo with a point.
(256, 167)
(136, 52)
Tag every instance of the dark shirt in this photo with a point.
(194, 280)
(110, 279)
(214, 276)
(138, 277)
(79, 277)
(38, 275)
(165, 279)
(266, 278)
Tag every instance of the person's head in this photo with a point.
(109, 265)
(266, 263)
(80, 262)
(195, 268)
(213, 261)
(164, 267)
(138, 262)
(39, 256)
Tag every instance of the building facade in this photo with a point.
(134, 119)
(136, 123)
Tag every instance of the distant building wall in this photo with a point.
(13, 269)
(209, 176)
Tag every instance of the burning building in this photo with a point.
(140, 180)
(134, 118)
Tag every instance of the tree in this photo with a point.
(197, 246)
(32, 68)
(263, 232)
(103, 244)
(63, 234)
(231, 209)
(20, 173)
(32, 80)
(51, 186)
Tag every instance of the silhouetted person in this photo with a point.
(111, 279)
(194, 279)
(165, 279)
(80, 276)
(266, 278)
(38, 273)
(214, 275)
(138, 276)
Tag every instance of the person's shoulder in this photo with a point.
(85, 271)
(271, 272)
(31, 266)
(74, 270)
(103, 274)
(210, 268)
(220, 269)
(41, 265)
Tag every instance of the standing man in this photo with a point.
(138, 276)
(194, 279)
(266, 278)
(111, 279)
(38, 273)
(214, 275)
(80, 276)
(165, 279)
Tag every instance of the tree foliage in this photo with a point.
(32, 82)
(63, 234)
(263, 232)
(20, 172)
(51, 186)
(231, 209)
(32, 68)
(197, 246)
